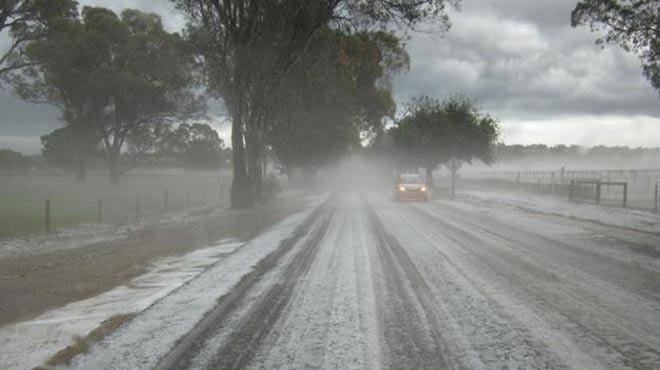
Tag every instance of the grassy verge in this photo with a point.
(81, 345)
(23, 198)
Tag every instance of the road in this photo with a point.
(367, 283)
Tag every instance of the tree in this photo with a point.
(110, 77)
(632, 24)
(334, 97)
(150, 79)
(195, 146)
(204, 148)
(27, 20)
(436, 132)
(248, 46)
(59, 148)
(11, 160)
(66, 68)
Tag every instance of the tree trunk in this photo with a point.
(259, 186)
(454, 165)
(81, 167)
(112, 160)
(80, 142)
(429, 176)
(241, 187)
(252, 150)
(256, 167)
(113, 166)
(114, 176)
(309, 175)
(81, 170)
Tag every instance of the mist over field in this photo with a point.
(548, 158)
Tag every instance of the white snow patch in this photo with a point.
(153, 333)
(330, 322)
(621, 217)
(28, 344)
(70, 238)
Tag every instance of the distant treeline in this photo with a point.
(196, 146)
(14, 161)
(504, 153)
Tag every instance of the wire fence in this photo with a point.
(37, 203)
(627, 188)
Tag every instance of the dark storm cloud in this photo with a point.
(521, 59)
(543, 14)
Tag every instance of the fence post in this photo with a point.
(165, 196)
(656, 197)
(625, 194)
(598, 191)
(570, 190)
(47, 215)
(137, 206)
(99, 210)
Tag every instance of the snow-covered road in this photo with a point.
(362, 282)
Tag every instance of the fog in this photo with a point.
(139, 194)
(631, 161)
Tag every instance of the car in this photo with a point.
(410, 187)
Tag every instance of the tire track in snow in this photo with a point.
(331, 322)
(575, 248)
(594, 328)
(410, 328)
(243, 343)
(484, 331)
(474, 331)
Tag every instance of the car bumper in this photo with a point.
(412, 195)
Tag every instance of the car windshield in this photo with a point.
(410, 179)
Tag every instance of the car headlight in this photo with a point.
(401, 188)
(423, 188)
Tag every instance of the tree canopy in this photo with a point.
(334, 98)
(27, 20)
(249, 46)
(152, 79)
(59, 148)
(66, 69)
(631, 24)
(110, 76)
(195, 146)
(12, 161)
(434, 132)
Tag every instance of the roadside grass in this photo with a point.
(23, 198)
(81, 344)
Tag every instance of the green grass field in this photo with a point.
(23, 198)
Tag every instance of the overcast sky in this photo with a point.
(519, 59)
